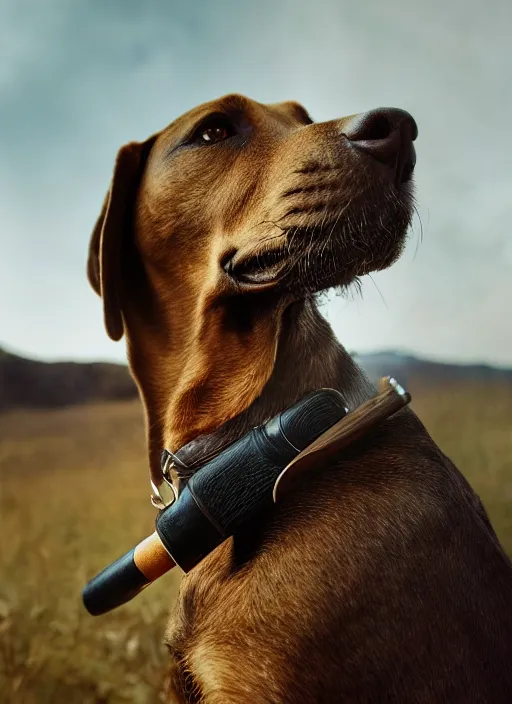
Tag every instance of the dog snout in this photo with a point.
(386, 134)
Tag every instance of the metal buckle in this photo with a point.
(165, 492)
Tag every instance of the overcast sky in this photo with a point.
(80, 78)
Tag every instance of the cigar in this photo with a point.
(127, 576)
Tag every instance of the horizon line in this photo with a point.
(403, 352)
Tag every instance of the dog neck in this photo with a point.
(308, 358)
(258, 382)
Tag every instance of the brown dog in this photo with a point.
(378, 579)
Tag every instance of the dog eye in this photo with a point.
(215, 130)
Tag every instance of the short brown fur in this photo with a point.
(379, 579)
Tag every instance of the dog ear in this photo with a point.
(112, 227)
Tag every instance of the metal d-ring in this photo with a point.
(165, 492)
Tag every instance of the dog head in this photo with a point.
(242, 207)
(255, 196)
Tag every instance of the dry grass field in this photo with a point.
(74, 495)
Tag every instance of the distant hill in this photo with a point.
(26, 383)
(409, 369)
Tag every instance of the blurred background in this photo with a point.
(78, 80)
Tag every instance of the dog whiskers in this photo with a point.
(378, 290)
(420, 239)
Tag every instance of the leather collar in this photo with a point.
(177, 468)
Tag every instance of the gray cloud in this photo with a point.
(79, 79)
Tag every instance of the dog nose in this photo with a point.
(387, 134)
